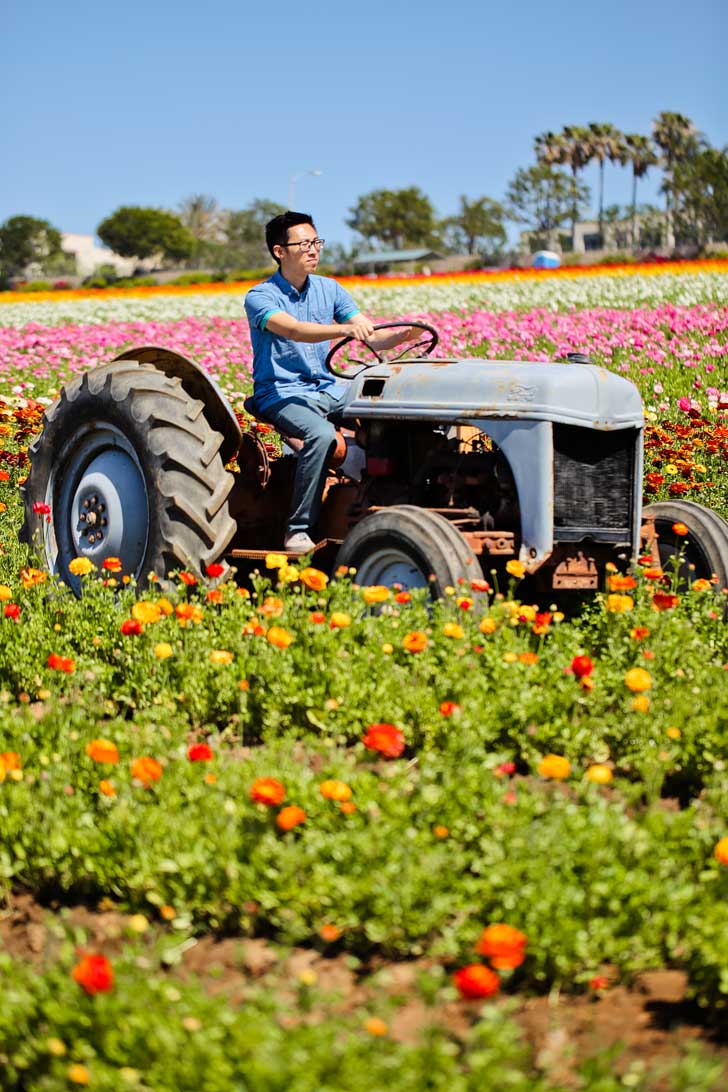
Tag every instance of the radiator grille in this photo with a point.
(593, 483)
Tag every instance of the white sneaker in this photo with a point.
(299, 543)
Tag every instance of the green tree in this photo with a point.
(135, 232)
(699, 192)
(641, 155)
(202, 216)
(543, 198)
(607, 143)
(25, 240)
(396, 218)
(676, 137)
(477, 226)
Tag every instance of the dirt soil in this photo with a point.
(653, 1019)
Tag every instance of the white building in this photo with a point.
(90, 255)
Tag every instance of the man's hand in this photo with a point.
(359, 327)
(389, 339)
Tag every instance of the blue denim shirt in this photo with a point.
(283, 368)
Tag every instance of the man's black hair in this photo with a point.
(276, 230)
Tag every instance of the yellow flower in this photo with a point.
(701, 584)
(509, 658)
(30, 577)
(618, 604)
(671, 469)
(339, 620)
(527, 613)
(221, 656)
(387, 648)
(275, 561)
(146, 612)
(163, 650)
(673, 733)
(637, 679)
(138, 923)
(6, 593)
(488, 625)
(641, 704)
(375, 1026)
(515, 568)
(287, 574)
(453, 629)
(377, 593)
(555, 767)
(599, 774)
(57, 1047)
(165, 606)
(81, 566)
(78, 1074)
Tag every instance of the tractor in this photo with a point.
(444, 470)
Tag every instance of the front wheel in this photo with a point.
(408, 546)
(130, 468)
(704, 550)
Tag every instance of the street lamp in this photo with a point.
(292, 184)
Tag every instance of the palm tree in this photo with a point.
(676, 136)
(642, 155)
(201, 216)
(606, 143)
(569, 148)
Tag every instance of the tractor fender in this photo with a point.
(198, 384)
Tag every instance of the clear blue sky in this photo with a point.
(149, 102)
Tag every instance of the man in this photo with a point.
(293, 315)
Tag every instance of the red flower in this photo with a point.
(12, 610)
(449, 708)
(290, 817)
(41, 509)
(476, 981)
(200, 752)
(317, 617)
(130, 627)
(402, 597)
(61, 663)
(267, 790)
(664, 600)
(215, 570)
(111, 564)
(94, 974)
(188, 579)
(599, 982)
(384, 738)
(582, 666)
(146, 769)
(505, 769)
(479, 585)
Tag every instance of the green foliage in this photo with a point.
(135, 232)
(544, 198)
(394, 218)
(477, 226)
(24, 241)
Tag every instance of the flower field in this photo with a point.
(309, 835)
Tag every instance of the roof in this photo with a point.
(382, 256)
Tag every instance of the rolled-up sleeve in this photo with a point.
(260, 304)
(344, 306)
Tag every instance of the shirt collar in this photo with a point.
(288, 288)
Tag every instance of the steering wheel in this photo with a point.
(428, 344)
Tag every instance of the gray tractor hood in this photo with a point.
(454, 390)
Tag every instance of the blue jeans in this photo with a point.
(310, 420)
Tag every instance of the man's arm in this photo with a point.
(284, 325)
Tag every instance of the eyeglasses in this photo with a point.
(305, 244)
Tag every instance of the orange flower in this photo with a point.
(619, 604)
(476, 982)
(317, 617)
(528, 657)
(376, 1026)
(31, 577)
(313, 579)
(146, 612)
(441, 832)
(554, 767)
(348, 807)
(449, 708)
(279, 637)
(335, 790)
(701, 584)
(112, 564)
(639, 633)
(11, 760)
(165, 606)
(214, 595)
(619, 583)
(488, 625)
(653, 574)
(386, 739)
(106, 788)
(329, 933)
(61, 663)
(377, 593)
(503, 945)
(188, 579)
(637, 680)
(403, 597)
(681, 529)
(271, 607)
(290, 817)
(721, 851)
(103, 750)
(94, 974)
(416, 641)
(268, 791)
(188, 612)
(146, 769)
(641, 703)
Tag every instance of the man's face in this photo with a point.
(297, 263)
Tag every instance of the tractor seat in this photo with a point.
(338, 454)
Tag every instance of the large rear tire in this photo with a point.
(704, 548)
(408, 546)
(130, 468)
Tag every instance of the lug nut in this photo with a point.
(91, 538)
(87, 503)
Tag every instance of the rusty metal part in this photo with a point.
(253, 459)
(260, 555)
(491, 542)
(577, 571)
(649, 541)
